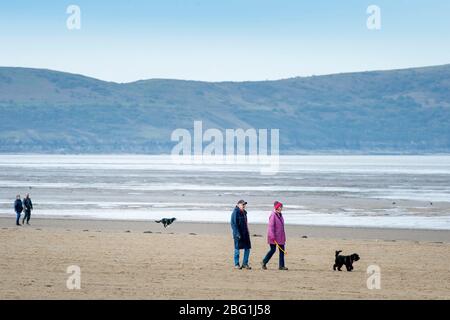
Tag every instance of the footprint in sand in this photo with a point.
(128, 231)
(85, 230)
(148, 232)
(193, 234)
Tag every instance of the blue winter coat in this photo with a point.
(18, 206)
(240, 229)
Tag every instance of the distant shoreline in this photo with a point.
(219, 228)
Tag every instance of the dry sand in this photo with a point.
(119, 261)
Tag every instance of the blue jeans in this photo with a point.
(273, 248)
(246, 256)
(17, 217)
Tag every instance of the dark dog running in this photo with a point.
(166, 221)
(345, 260)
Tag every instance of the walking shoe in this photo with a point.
(283, 268)
(263, 266)
(237, 267)
(246, 267)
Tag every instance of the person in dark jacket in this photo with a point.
(28, 206)
(241, 234)
(18, 208)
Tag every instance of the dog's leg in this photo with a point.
(349, 267)
(334, 267)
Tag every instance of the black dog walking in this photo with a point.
(28, 206)
(344, 260)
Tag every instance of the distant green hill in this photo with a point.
(398, 111)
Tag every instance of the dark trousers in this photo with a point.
(27, 216)
(17, 217)
(273, 248)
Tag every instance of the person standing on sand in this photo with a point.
(275, 236)
(18, 208)
(241, 234)
(28, 207)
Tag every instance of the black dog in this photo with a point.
(166, 221)
(347, 260)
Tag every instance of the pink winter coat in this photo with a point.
(275, 229)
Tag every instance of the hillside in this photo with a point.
(398, 111)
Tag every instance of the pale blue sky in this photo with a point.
(216, 40)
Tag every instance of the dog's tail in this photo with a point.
(158, 221)
(337, 252)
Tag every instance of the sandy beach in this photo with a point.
(142, 260)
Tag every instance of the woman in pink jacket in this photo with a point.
(275, 233)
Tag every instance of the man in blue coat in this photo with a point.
(241, 234)
(18, 208)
